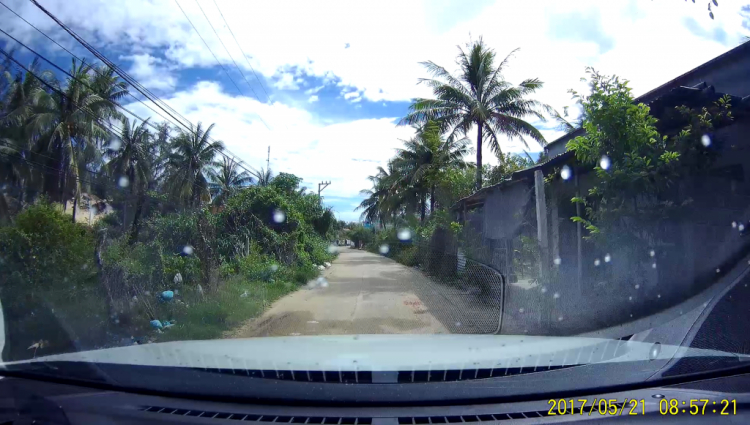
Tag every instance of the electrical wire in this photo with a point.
(227, 50)
(91, 114)
(74, 56)
(244, 55)
(217, 59)
(125, 76)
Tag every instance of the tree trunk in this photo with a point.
(423, 206)
(136, 218)
(479, 156)
(75, 205)
(432, 200)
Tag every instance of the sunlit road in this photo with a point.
(366, 294)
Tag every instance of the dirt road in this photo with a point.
(365, 294)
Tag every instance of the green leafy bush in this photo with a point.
(44, 249)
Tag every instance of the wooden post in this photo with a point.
(554, 225)
(541, 222)
(579, 237)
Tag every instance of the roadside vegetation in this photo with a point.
(633, 198)
(118, 232)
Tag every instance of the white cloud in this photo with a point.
(314, 90)
(151, 72)
(309, 37)
(299, 143)
(286, 81)
(353, 96)
(286, 41)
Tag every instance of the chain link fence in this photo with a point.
(465, 295)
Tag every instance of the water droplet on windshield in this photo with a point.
(114, 145)
(718, 270)
(652, 253)
(597, 262)
(279, 216)
(521, 310)
(607, 258)
(653, 266)
(741, 227)
(544, 289)
(706, 140)
(384, 249)
(560, 319)
(565, 172)
(655, 351)
(123, 182)
(630, 298)
(658, 295)
(188, 250)
(274, 267)
(637, 286)
(332, 249)
(734, 224)
(556, 295)
(458, 324)
(404, 234)
(557, 261)
(605, 162)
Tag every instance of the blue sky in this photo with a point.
(330, 79)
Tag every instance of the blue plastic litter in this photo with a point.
(156, 324)
(167, 295)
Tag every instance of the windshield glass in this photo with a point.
(403, 190)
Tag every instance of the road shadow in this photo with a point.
(460, 310)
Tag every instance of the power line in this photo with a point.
(227, 50)
(217, 59)
(76, 57)
(132, 81)
(244, 55)
(74, 78)
(85, 110)
(124, 75)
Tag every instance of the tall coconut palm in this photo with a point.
(226, 179)
(479, 97)
(424, 159)
(192, 155)
(378, 205)
(131, 164)
(67, 121)
(16, 105)
(263, 176)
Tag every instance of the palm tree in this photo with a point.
(378, 205)
(192, 155)
(479, 97)
(226, 179)
(16, 104)
(68, 122)
(132, 163)
(425, 158)
(263, 176)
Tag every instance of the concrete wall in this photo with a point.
(505, 208)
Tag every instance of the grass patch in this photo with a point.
(208, 317)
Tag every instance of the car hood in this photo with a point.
(382, 353)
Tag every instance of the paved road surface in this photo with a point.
(366, 294)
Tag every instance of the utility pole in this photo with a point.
(324, 185)
(268, 158)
